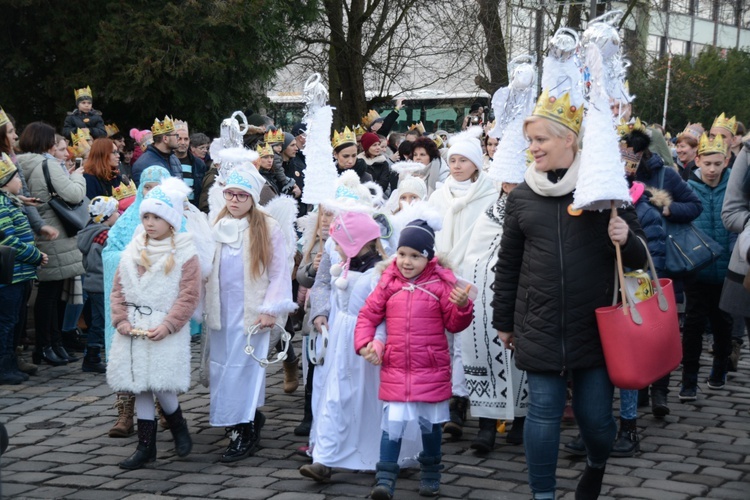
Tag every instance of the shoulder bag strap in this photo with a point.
(45, 171)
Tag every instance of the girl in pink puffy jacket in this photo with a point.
(419, 301)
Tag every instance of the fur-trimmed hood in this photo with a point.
(659, 198)
(371, 161)
(440, 260)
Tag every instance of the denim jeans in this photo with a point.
(628, 404)
(389, 449)
(592, 406)
(95, 335)
(11, 298)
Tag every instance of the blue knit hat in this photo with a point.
(418, 235)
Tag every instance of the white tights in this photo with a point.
(144, 404)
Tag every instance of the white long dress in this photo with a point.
(237, 381)
(497, 389)
(346, 410)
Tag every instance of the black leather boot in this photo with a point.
(146, 450)
(590, 485)
(455, 426)
(63, 354)
(485, 440)
(49, 356)
(627, 442)
(92, 361)
(242, 443)
(179, 429)
(515, 435)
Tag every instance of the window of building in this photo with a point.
(727, 12)
(680, 6)
(654, 46)
(696, 48)
(678, 47)
(705, 9)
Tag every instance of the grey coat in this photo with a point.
(65, 260)
(735, 213)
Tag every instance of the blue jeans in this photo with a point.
(592, 406)
(389, 449)
(11, 298)
(95, 335)
(628, 404)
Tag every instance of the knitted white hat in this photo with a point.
(413, 185)
(167, 201)
(246, 178)
(467, 144)
(102, 208)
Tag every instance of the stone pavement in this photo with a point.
(701, 450)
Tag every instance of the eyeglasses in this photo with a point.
(241, 197)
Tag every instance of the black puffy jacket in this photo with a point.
(92, 120)
(554, 269)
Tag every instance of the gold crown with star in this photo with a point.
(728, 123)
(708, 146)
(345, 137)
(359, 131)
(370, 117)
(84, 93)
(624, 128)
(264, 150)
(82, 135)
(111, 129)
(560, 110)
(162, 127)
(274, 137)
(4, 120)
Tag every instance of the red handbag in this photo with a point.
(641, 342)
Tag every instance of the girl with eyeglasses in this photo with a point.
(248, 291)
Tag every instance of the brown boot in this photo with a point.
(23, 366)
(125, 404)
(291, 380)
(163, 423)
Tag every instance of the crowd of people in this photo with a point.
(434, 277)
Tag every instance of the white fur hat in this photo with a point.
(167, 201)
(246, 178)
(467, 144)
(413, 185)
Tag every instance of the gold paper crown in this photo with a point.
(6, 166)
(4, 120)
(624, 128)
(78, 150)
(345, 137)
(274, 137)
(111, 129)
(370, 117)
(419, 127)
(438, 141)
(359, 132)
(180, 124)
(124, 191)
(693, 129)
(708, 146)
(559, 109)
(264, 150)
(727, 123)
(162, 127)
(84, 93)
(83, 135)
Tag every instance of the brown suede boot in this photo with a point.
(125, 404)
(291, 379)
(27, 368)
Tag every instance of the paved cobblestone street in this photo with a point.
(701, 450)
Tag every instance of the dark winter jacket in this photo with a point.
(153, 156)
(649, 207)
(282, 180)
(381, 173)
(685, 205)
(709, 221)
(554, 269)
(98, 187)
(388, 123)
(193, 169)
(91, 241)
(360, 167)
(92, 120)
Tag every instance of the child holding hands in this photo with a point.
(419, 300)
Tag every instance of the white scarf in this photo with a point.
(459, 188)
(229, 230)
(541, 185)
(157, 249)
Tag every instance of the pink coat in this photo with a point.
(416, 361)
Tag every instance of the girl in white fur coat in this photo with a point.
(249, 289)
(156, 290)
